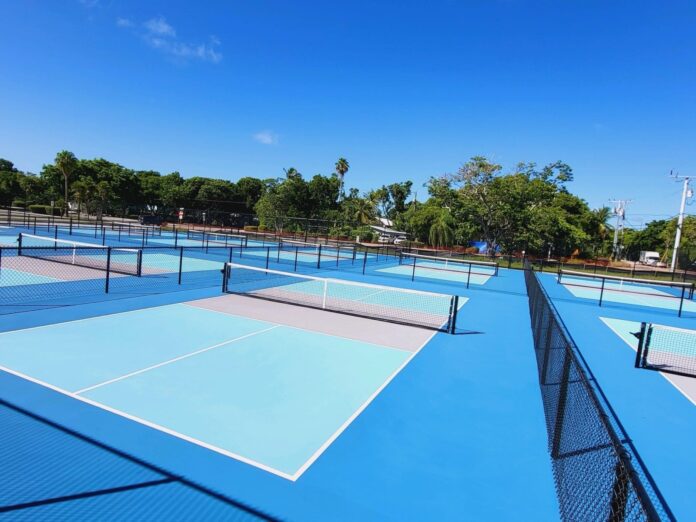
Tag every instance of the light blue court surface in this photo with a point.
(10, 277)
(266, 394)
(170, 263)
(327, 256)
(431, 270)
(625, 292)
(8, 240)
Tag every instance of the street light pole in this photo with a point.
(686, 192)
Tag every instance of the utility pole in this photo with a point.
(686, 193)
(620, 212)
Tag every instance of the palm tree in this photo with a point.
(601, 217)
(66, 163)
(341, 169)
(441, 232)
(364, 211)
(82, 190)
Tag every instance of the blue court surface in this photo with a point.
(303, 417)
(200, 375)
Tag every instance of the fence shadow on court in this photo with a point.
(51, 472)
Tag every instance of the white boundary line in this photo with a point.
(620, 336)
(302, 329)
(149, 424)
(357, 412)
(86, 319)
(175, 359)
(295, 476)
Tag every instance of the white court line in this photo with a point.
(357, 412)
(86, 319)
(149, 424)
(175, 359)
(292, 477)
(635, 349)
(228, 314)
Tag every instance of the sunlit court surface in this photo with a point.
(347, 261)
(340, 392)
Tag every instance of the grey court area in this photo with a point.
(398, 336)
(687, 385)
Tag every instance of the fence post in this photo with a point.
(108, 269)
(181, 263)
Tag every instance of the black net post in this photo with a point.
(413, 271)
(181, 263)
(644, 332)
(364, 261)
(296, 253)
(268, 257)
(601, 292)
(225, 277)
(453, 315)
(468, 276)
(176, 237)
(319, 256)
(681, 301)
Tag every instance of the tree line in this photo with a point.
(528, 209)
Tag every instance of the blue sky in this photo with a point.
(403, 90)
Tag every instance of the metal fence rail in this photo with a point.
(597, 473)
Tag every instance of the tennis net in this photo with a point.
(217, 239)
(404, 306)
(667, 349)
(126, 261)
(451, 264)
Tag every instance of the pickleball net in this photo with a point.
(450, 264)
(667, 349)
(385, 303)
(127, 261)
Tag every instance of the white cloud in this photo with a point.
(159, 26)
(161, 35)
(266, 137)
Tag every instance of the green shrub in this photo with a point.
(251, 228)
(19, 203)
(38, 209)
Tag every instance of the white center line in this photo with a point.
(181, 357)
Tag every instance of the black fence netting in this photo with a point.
(51, 472)
(597, 472)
